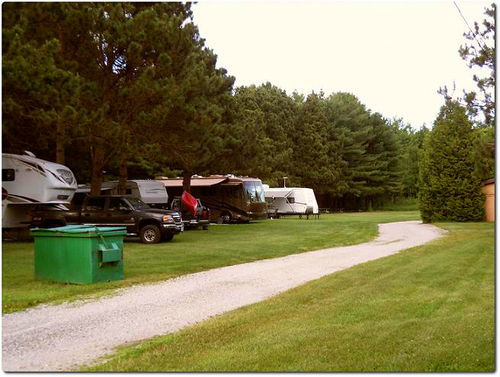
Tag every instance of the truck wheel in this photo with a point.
(167, 237)
(150, 234)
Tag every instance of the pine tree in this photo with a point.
(449, 189)
(316, 147)
(258, 140)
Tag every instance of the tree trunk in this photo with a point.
(123, 175)
(97, 166)
(186, 181)
(60, 143)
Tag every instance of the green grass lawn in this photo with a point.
(430, 308)
(192, 251)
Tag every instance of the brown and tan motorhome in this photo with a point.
(230, 198)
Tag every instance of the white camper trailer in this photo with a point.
(291, 201)
(149, 191)
(28, 181)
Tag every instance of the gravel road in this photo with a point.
(59, 338)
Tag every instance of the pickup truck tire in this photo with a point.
(150, 234)
(167, 237)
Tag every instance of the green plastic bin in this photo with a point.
(79, 254)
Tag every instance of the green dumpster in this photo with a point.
(79, 253)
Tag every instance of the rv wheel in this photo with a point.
(225, 218)
(150, 234)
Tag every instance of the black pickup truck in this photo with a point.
(150, 224)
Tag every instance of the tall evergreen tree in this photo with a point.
(316, 148)
(383, 175)
(258, 141)
(41, 97)
(134, 75)
(449, 189)
(411, 150)
(350, 118)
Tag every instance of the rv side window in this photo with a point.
(8, 175)
(95, 204)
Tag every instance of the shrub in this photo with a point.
(449, 189)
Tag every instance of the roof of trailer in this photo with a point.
(177, 182)
(207, 181)
(281, 192)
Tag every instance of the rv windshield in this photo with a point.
(137, 203)
(255, 191)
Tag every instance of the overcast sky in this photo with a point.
(393, 56)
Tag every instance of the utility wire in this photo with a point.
(472, 31)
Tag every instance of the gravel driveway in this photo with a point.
(50, 338)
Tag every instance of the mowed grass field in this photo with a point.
(192, 251)
(429, 308)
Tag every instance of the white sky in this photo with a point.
(393, 56)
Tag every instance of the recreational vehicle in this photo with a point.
(28, 181)
(149, 191)
(290, 201)
(230, 198)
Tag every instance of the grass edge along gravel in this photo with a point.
(429, 308)
(190, 252)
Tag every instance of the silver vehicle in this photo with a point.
(290, 201)
(28, 181)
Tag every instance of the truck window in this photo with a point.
(138, 203)
(117, 204)
(95, 204)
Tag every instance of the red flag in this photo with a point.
(190, 202)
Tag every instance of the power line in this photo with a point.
(472, 31)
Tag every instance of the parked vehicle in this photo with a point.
(290, 201)
(201, 217)
(151, 224)
(230, 198)
(149, 191)
(28, 181)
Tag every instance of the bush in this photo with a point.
(449, 190)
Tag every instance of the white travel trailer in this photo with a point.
(291, 201)
(28, 181)
(149, 191)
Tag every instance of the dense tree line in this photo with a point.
(129, 90)
(351, 157)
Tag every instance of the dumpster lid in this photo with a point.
(81, 229)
